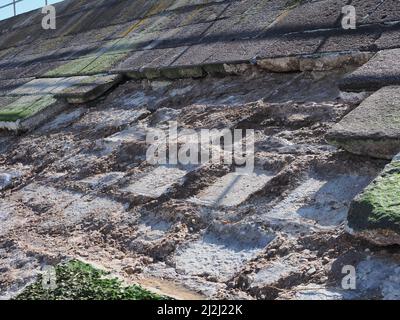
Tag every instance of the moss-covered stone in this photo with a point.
(377, 210)
(76, 280)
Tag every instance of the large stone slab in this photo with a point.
(375, 213)
(382, 70)
(29, 112)
(372, 129)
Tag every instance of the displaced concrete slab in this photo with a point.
(44, 86)
(382, 70)
(373, 128)
(89, 88)
(28, 112)
(9, 85)
(232, 189)
(77, 89)
(375, 213)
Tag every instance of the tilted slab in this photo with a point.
(28, 112)
(382, 70)
(373, 128)
(78, 89)
(88, 88)
(375, 213)
(45, 86)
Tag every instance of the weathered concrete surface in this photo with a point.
(79, 185)
(375, 213)
(206, 32)
(382, 70)
(373, 128)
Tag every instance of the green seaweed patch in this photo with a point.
(76, 280)
(86, 66)
(25, 107)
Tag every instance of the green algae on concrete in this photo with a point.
(375, 214)
(88, 88)
(28, 112)
(76, 280)
(25, 107)
(89, 65)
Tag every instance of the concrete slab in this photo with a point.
(373, 128)
(351, 40)
(9, 85)
(89, 65)
(138, 61)
(375, 213)
(388, 40)
(232, 189)
(288, 45)
(372, 11)
(311, 16)
(77, 89)
(45, 86)
(246, 26)
(382, 70)
(89, 88)
(28, 112)
(28, 69)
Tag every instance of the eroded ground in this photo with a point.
(80, 187)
